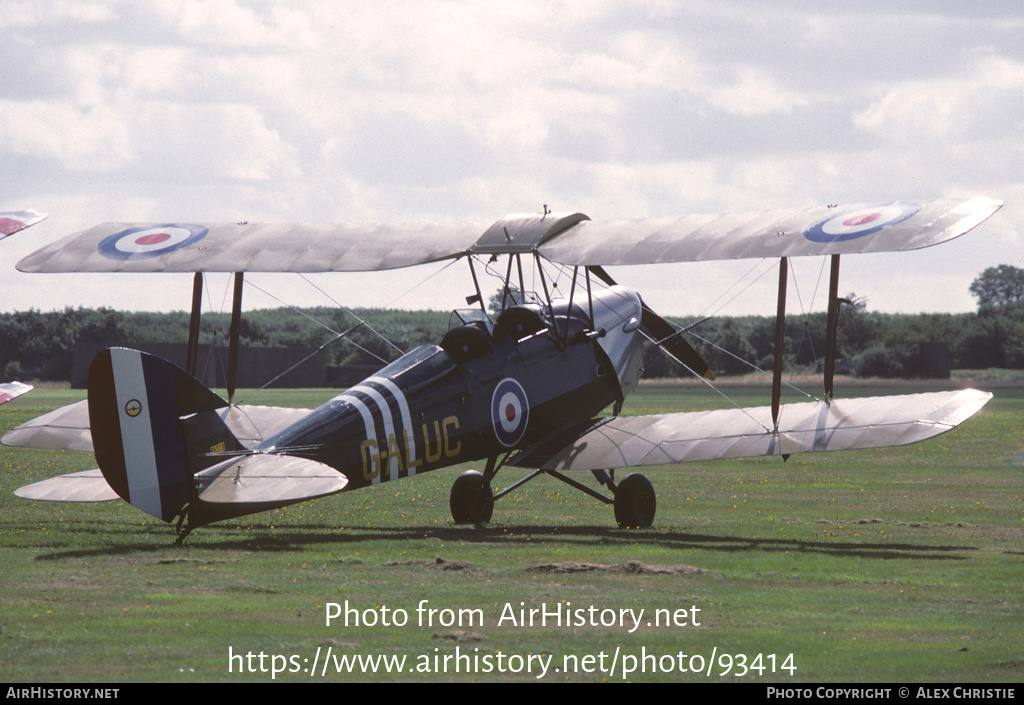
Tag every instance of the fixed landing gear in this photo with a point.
(471, 500)
(635, 503)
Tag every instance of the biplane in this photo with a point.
(530, 387)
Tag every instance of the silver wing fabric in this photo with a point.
(566, 238)
(843, 424)
(67, 428)
(251, 247)
(889, 227)
(83, 486)
(261, 478)
(247, 480)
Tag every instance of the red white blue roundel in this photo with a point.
(510, 412)
(861, 222)
(150, 241)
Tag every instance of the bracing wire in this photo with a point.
(328, 328)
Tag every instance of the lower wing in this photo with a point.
(845, 424)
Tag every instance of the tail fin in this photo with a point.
(136, 402)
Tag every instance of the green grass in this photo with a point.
(892, 565)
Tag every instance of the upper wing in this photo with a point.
(566, 238)
(250, 247)
(13, 221)
(843, 424)
(826, 230)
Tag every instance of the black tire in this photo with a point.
(470, 499)
(635, 503)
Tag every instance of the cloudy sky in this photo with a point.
(397, 111)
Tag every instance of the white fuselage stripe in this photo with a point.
(403, 408)
(389, 425)
(136, 432)
(371, 430)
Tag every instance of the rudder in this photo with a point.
(136, 401)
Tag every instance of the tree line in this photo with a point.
(36, 345)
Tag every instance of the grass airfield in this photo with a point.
(898, 565)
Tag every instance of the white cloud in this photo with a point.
(989, 93)
(753, 92)
(212, 141)
(226, 23)
(31, 12)
(92, 139)
(460, 109)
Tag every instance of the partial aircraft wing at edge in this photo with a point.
(844, 424)
(12, 390)
(566, 238)
(15, 221)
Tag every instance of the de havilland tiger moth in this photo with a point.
(525, 388)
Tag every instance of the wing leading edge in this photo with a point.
(843, 424)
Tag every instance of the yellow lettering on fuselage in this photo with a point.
(449, 452)
(432, 457)
(412, 464)
(371, 459)
(442, 443)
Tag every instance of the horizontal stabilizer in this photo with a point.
(67, 428)
(268, 479)
(84, 486)
(844, 424)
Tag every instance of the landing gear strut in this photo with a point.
(472, 501)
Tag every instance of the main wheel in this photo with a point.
(635, 502)
(470, 499)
